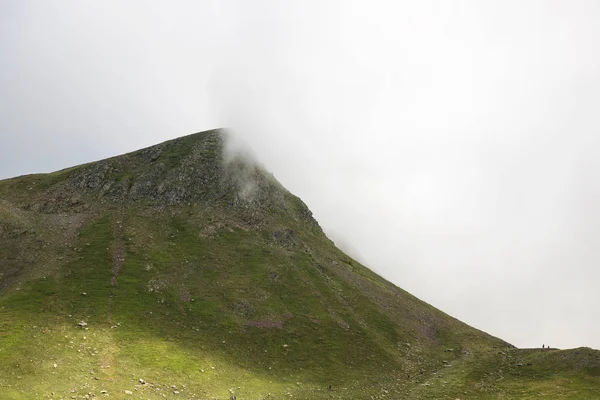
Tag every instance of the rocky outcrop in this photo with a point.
(188, 170)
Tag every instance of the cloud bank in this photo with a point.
(454, 147)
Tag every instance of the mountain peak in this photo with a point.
(177, 171)
(198, 168)
(189, 266)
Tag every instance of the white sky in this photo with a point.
(452, 146)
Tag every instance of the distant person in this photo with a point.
(543, 347)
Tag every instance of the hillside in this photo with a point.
(179, 271)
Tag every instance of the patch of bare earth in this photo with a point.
(118, 258)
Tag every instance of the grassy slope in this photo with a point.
(212, 302)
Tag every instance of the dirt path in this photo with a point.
(118, 250)
(118, 257)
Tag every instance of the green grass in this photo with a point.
(178, 151)
(165, 338)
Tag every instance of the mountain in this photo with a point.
(184, 271)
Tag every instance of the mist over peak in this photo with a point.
(447, 143)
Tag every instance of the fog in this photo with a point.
(452, 147)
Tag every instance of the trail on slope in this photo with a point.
(118, 250)
(118, 257)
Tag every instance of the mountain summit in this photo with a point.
(187, 271)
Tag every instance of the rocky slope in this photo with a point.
(180, 271)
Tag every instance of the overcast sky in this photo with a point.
(452, 146)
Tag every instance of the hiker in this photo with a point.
(543, 347)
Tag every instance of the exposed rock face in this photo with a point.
(190, 169)
(181, 170)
